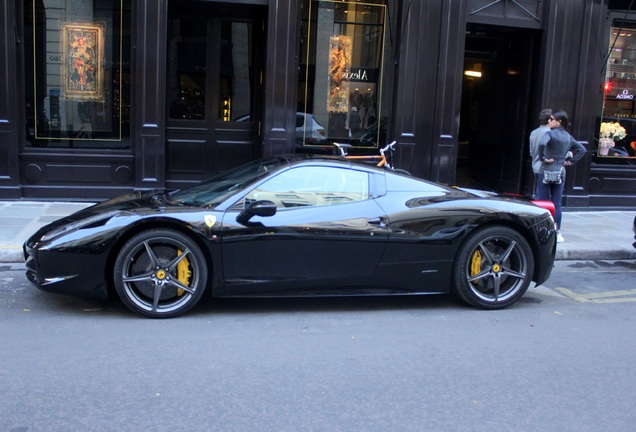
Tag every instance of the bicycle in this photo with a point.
(385, 157)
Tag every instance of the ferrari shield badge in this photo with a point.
(210, 220)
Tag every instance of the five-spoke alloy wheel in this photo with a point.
(160, 273)
(493, 269)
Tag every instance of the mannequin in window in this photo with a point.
(355, 103)
(85, 113)
(368, 109)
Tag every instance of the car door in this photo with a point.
(327, 232)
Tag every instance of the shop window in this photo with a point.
(345, 72)
(77, 80)
(617, 129)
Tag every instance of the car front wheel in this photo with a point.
(493, 269)
(160, 273)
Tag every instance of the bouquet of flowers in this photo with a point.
(613, 131)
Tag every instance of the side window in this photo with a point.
(313, 186)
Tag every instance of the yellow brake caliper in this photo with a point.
(183, 273)
(475, 263)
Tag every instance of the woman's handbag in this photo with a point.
(552, 177)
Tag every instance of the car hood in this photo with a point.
(136, 202)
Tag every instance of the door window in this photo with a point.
(313, 186)
(235, 92)
(187, 57)
(195, 40)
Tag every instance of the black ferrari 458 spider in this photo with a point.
(297, 226)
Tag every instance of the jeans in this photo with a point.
(538, 178)
(554, 193)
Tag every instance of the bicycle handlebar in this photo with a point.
(342, 148)
(388, 147)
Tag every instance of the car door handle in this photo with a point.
(376, 221)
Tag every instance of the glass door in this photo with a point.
(215, 59)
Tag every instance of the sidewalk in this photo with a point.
(589, 235)
(21, 219)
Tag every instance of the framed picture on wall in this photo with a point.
(83, 73)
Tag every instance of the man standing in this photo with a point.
(535, 137)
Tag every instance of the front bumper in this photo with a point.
(67, 273)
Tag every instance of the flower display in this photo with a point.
(612, 130)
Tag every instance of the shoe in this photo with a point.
(560, 238)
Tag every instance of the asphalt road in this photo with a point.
(560, 359)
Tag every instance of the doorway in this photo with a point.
(215, 63)
(495, 117)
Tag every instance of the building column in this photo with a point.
(429, 83)
(281, 77)
(9, 139)
(150, 93)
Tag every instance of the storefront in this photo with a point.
(105, 97)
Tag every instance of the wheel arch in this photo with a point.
(151, 224)
(519, 228)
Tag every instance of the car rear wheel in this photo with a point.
(493, 269)
(160, 273)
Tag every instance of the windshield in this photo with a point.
(216, 189)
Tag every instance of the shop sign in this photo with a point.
(625, 95)
(360, 75)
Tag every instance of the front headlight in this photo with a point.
(73, 226)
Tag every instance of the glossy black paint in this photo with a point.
(403, 239)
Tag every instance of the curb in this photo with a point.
(585, 255)
(11, 255)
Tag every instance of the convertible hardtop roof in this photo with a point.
(295, 158)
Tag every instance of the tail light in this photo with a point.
(545, 204)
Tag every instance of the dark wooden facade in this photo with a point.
(570, 41)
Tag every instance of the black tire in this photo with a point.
(493, 268)
(160, 273)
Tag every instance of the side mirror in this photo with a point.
(258, 208)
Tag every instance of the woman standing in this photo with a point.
(553, 151)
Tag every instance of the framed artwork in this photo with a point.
(339, 65)
(83, 74)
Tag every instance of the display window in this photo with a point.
(617, 129)
(344, 75)
(77, 80)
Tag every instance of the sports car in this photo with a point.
(300, 225)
